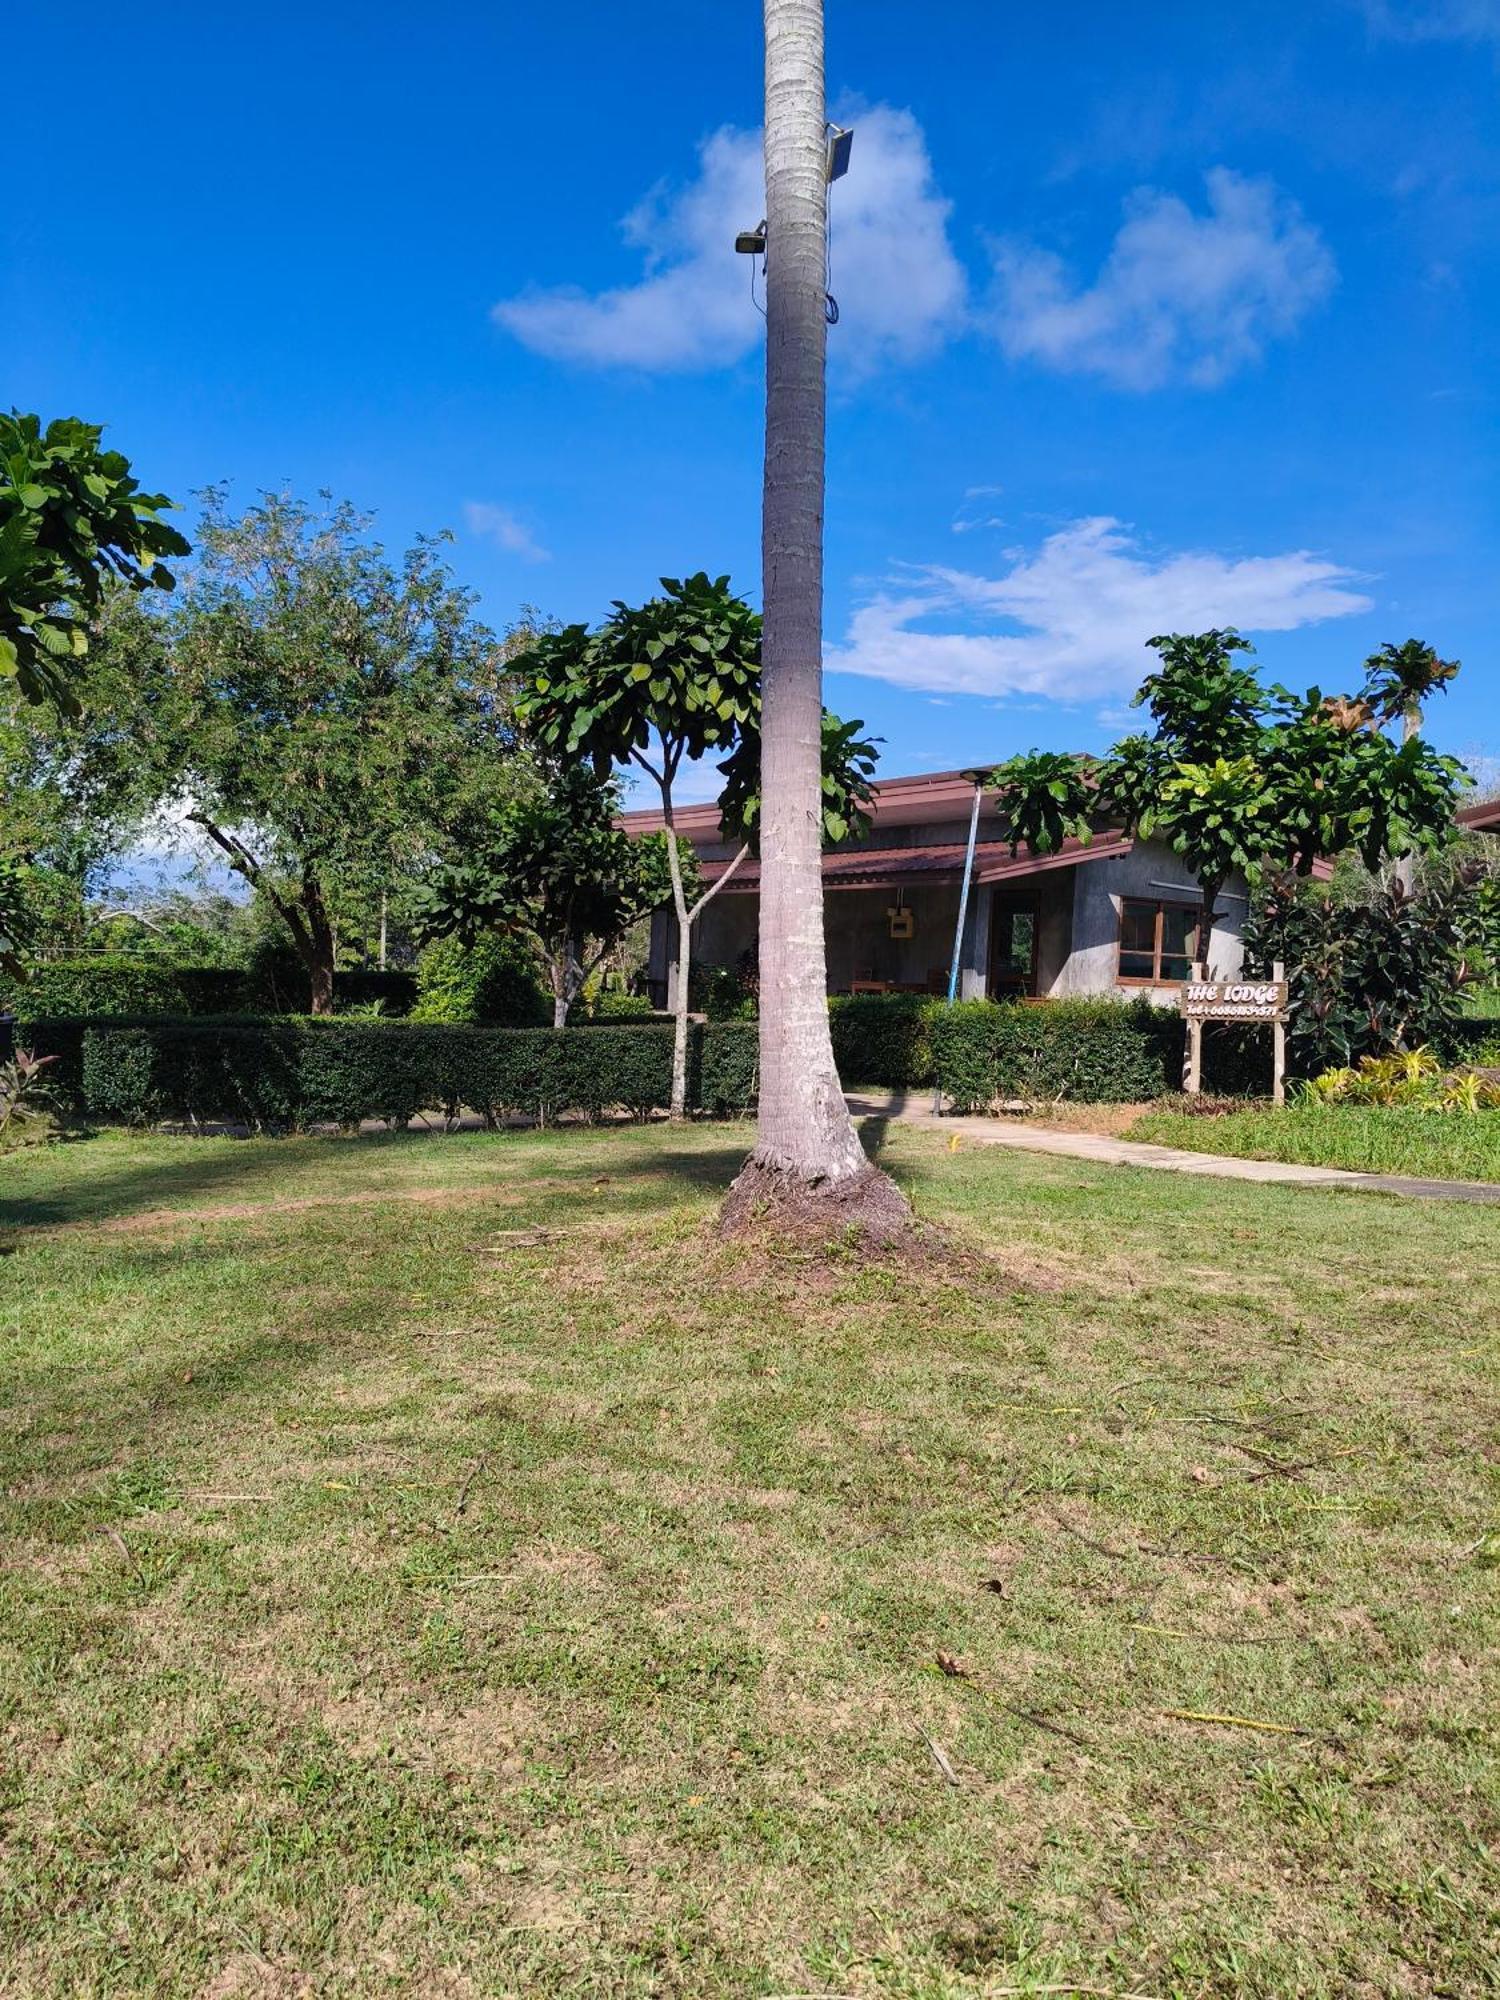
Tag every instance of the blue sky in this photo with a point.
(1152, 317)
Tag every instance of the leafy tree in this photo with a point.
(18, 918)
(556, 869)
(55, 833)
(661, 684)
(1239, 778)
(848, 768)
(71, 515)
(1400, 679)
(657, 685)
(1380, 970)
(491, 980)
(1044, 797)
(333, 717)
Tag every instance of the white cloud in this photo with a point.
(1180, 295)
(899, 286)
(1434, 20)
(1071, 619)
(500, 526)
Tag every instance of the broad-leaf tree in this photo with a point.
(1043, 798)
(664, 683)
(72, 516)
(845, 798)
(330, 715)
(1373, 967)
(556, 869)
(657, 685)
(1400, 679)
(1237, 777)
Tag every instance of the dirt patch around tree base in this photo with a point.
(774, 1201)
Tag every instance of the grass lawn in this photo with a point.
(437, 1567)
(1370, 1139)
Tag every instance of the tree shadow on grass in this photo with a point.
(185, 1171)
(188, 1176)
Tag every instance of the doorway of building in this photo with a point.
(1013, 940)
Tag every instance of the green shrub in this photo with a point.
(281, 1071)
(492, 981)
(724, 1076)
(111, 983)
(282, 1074)
(1471, 1040)
(721, 993)
(883, 1038)
(612, 1005)
(62, 1037)
(1086, 1051)
(1414, 1080)
(115, 984)
(395, 992)
(234, 1070)
(118, 1076)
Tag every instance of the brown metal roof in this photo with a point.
(1482, 818)
(935, 795)
(892, 867)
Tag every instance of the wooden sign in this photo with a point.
(1234, 1000)
(1263, 1000)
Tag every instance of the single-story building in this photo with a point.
(1119, 916)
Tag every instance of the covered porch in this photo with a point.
(890, 917)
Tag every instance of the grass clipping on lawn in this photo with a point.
(444, 1567)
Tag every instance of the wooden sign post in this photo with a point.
(1236, 1000)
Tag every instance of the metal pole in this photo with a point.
(963, 911)
(963, 898)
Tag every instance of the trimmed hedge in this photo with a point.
(114, 984)
(883, 1037)
(1082, 1051)
(1087, 1050)
(286, 1071)
(287, 1074)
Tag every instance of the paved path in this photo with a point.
(916, 1108)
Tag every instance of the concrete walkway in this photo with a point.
(915, 1108)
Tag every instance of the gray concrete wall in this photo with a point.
(1150, 870)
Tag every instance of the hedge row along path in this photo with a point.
(917, 1109)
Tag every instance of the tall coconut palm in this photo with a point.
(807, 1153)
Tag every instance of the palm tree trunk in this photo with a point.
(807, 1151)
(1411, 725)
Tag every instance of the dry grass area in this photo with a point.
(440, 1567)
(1112, 1121)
